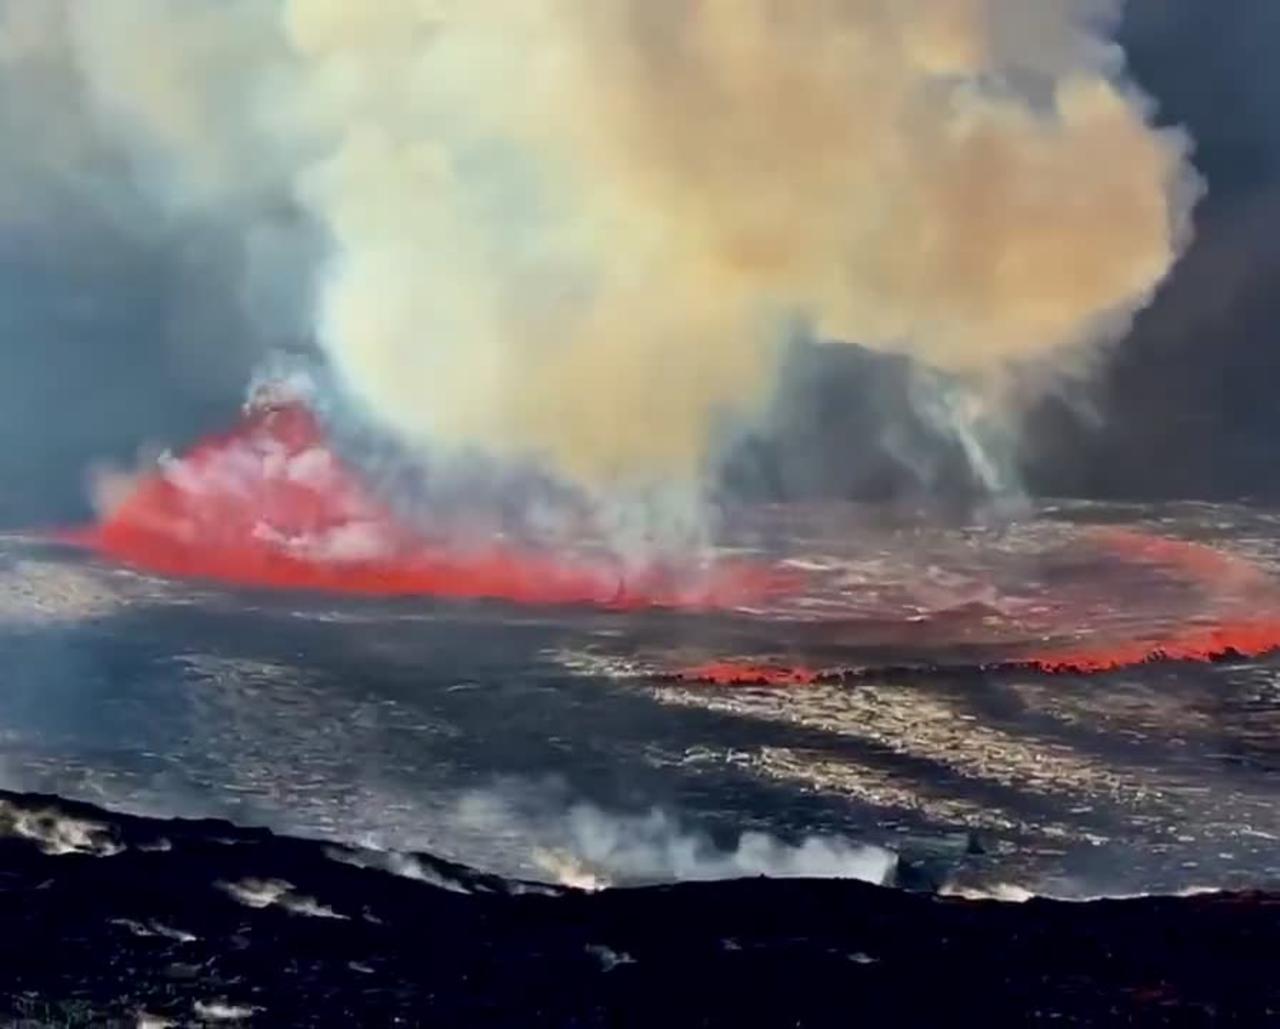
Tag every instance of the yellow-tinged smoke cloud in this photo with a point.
(578, 230)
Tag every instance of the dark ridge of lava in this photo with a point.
(192, 921)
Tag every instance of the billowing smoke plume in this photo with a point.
(578, 231)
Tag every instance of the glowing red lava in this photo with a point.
(1244, 599)
(1215, 570)
(270, 505)
(1247, 600)
(1242, 638)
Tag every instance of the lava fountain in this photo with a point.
(269, 504)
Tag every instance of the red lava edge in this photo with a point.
(269, 505)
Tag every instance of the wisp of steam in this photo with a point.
(579, 232)
(577, 843)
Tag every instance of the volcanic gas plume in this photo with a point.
(577, 231)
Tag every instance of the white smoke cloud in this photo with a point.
(56, 833)
(601, 849)
(577, 231)
(587, 847)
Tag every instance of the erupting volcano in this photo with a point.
(269, 504)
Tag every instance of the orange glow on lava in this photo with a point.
(270, 505)
(1242, 638)
(1246, 625)
(1248, 599)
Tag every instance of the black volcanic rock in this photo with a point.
(199, 921)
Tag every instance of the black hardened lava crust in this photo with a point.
(143, 919)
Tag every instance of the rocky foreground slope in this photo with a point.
(112, 919)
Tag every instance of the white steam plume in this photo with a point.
(601, 849)
(582, 845)
(577, 230)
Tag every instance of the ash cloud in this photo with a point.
(581, 234)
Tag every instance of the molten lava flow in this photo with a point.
(1236, 615)
(1215, 570)
(1230, 639)
(1224, 641)
(1245, 602)
(269, 504)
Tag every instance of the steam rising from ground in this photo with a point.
(579, 231)
(584, 846)
(656, 848)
